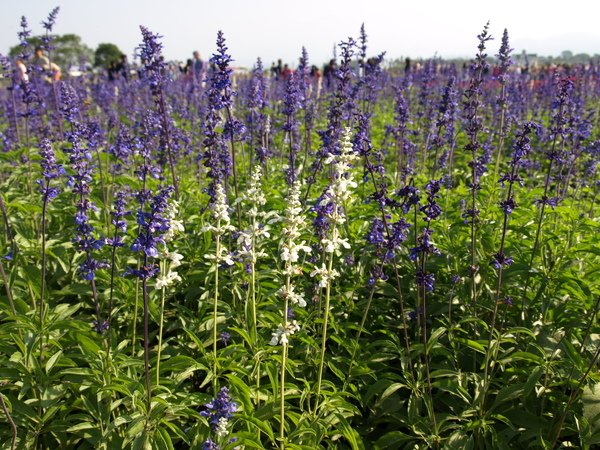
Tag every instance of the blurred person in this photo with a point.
(286, 72)
(329, 72)
(198, 67)
(52, 70)
(123, 67)
(276, 70)
(187, 71)
(21, 71)
(317, 78)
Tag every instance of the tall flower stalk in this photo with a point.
(472, 105)
(445, 119)
(29, 95)
(48, 25)
(249, 240)
(220, 96)
(522, 147)
(502, 100)
(339, 114)
(331, 205)
(558, 131)
(220, 215)
(290, 250)
(116, 241)
(154, 67)
(80, 160)
(292, 103)
(256, 118)
(153, 225)
(386, 236)
(50, 171)
(426, 280)
(170, 260)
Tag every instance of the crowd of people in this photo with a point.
(195, 70)
(41, 63)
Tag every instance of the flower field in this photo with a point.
(383, 258)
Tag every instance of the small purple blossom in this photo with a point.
(225, 337)
(425, 246)
(150, 52)
(152, 225)
(50, 170)
(426, 279)
(500, 259)
(100, 327)
(209, 444)
(221, 407)
(549, 201)
(118, 220)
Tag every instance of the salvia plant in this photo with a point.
(384, 257)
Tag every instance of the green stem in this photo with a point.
(215, 310)
(135, 313)
(572, 397)
(284, 350)
(147, 343)
(13, 427)
(43, 287)
(160, 334)
(358, 335)
(7, 289)
(325, 323)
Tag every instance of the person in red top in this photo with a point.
(286, 72)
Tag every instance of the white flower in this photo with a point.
(294, 297)
(333, 244)
(220, 208)
(280, 336)
(223, 257)
(324, 275)
(177, 225)
(253, 193)
(221, 429)
(175, 258)
(290, 251)
(164, 281)
(172, 209)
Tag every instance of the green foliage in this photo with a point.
(403, 367)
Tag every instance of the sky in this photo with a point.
(278, 29)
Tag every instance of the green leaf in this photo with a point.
(532, 380)
(263, 426)
(350, 434)
(471, 344)
(242, 391)
(509, 393)
(161, 440)
(522, 356)
(90, 348)
(393, 441)
(82, 427)
(52, 361)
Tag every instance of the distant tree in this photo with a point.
(67, 51)
(107, 54)
(566, 55)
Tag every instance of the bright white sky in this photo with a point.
(275, 29)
